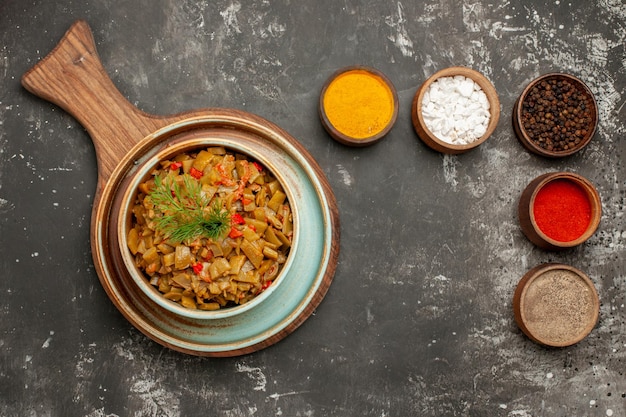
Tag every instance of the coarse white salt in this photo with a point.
(456, 110)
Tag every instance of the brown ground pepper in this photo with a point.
(557, 114)
(559, 307)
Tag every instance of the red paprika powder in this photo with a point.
(562, 210)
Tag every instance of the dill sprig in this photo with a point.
(183, 212)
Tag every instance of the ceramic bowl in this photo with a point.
(428, 137)
(556, 305)
(361, 105)
(129, 141)
(527, 112)
(528, 221)
(129, 196)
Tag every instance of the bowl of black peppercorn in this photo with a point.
(555, 116)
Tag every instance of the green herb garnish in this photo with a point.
(184, 213)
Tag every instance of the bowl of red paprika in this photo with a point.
(559, 210)
(556, 115)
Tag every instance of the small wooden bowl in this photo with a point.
(556, 305)
(527, 217)
(379, 128)
(433, 141)
(525, 137)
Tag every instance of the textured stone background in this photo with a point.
(418, 320)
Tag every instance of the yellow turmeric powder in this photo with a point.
(359, 104)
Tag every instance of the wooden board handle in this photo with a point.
(73, 77)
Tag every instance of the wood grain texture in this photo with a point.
(73, 77)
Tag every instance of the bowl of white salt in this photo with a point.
(455, 110)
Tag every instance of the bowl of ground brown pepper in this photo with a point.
(555, 116)
(556, 305)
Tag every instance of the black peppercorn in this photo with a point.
(556, 114)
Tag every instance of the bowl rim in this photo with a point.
(293, 302)
(592, 195)
(523, 137)
(139, 174)
(428, 137)
(342, 137)
(519, 299)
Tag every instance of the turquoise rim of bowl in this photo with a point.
(141, 280)
(301, 278)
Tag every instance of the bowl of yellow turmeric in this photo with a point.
(358, 106)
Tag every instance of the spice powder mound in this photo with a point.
(558, 307)
(562, 210)
(359, 104)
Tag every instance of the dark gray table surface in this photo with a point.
(418, 320)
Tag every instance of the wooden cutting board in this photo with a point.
(73, 77)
